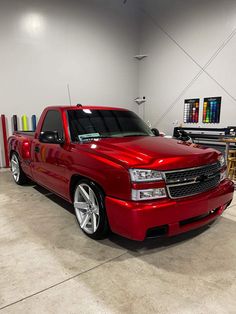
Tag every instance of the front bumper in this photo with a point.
(134, 220)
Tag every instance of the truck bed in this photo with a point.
(25, 133)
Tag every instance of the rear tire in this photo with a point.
(16, 170)
(90, 209)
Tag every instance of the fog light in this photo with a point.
(139, 195)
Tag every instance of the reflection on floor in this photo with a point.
(49, 266)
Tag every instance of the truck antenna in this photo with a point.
(68, 89)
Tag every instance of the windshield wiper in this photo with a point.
(136, 135)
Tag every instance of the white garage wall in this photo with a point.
(191, 47)
(45, 45)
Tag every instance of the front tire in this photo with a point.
(90, 210)
(17, 173)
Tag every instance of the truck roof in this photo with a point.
(77, 107)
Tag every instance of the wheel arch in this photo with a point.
(74, 180)
(12, 151)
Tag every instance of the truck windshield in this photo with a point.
(88, 124)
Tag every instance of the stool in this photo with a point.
(232, 153)
(231, 169)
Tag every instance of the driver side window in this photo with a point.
(53, 122)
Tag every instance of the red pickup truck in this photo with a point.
(119, 175)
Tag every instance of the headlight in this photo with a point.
(221, 159)
(150, 194)
(143, 175)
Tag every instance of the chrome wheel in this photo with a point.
(86, 208)
(15, 168)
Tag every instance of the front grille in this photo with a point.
(188, 182)
(186, 175)
(193, 188)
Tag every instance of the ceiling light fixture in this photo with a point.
(33, 23)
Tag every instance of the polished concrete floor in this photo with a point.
(47, 265)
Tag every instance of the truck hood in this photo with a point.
(152, 152)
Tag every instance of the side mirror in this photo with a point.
(50, 137)
(155, 132)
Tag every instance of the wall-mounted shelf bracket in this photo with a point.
(139, 101)
(140, 57)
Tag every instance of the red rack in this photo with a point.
(4, 132)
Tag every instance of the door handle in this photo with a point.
(37, 149)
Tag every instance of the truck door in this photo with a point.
(47, 170)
